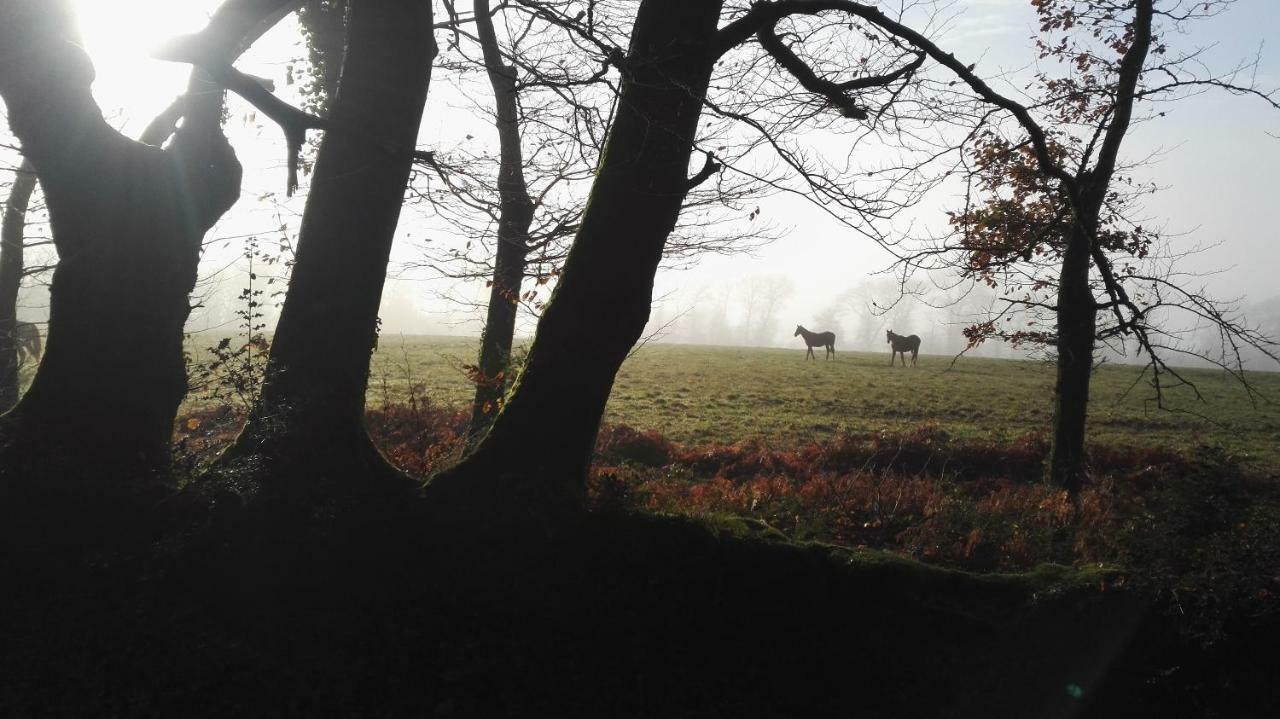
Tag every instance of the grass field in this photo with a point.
(694, 394)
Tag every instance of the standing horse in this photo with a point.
(26, 340)
(817, 339)
(903, 345)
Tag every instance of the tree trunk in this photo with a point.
(1077, 310)
(127, 222)
(12, 240)
(537, 453)
(309, 419)
(1077, 318)
(515, 216)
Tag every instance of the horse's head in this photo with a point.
(799, 329)
(888, 335)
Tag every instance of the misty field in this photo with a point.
(696, 394)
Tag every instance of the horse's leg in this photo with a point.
(809, 354)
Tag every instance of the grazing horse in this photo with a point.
(904, 345)
(817, 339)
(26, 340)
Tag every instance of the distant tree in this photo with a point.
(765, 296)
(862, 302)
(12, 244)
(830, 318)
(704, 315)
(515, 217)
(1266, 313)
(719, 330)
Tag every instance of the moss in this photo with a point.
(990, 596)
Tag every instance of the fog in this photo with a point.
(1218, 194)
(764, 310)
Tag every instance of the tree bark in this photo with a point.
(1077, 319)
(12, 241)
(515, 217)
(309, 419)
(536, 455)
(127, 221)
(1077, 309)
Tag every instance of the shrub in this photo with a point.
(620, 443)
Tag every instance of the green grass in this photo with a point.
(696, 394)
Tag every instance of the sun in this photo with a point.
(130, 85)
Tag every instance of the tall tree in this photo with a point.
(309, 420)
(127, 219)
(514, 218)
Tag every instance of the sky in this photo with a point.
(1219, 169)
(1212, 154)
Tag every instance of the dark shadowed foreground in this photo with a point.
(231, 601)
(348, 610)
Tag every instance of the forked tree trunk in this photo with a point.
(515, 217)
(536, 455)
(12, 242)
(309, 419)
(1077, 309)
(127, 222)
(1077, 318)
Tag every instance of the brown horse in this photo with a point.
(903, 345)
(817, 339)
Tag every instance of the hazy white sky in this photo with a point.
(1218, 162)
(1219, 166)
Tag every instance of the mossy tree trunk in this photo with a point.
(514, 218)
(309, 419)
(536, 455)
(127, 221)
(12, 244)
